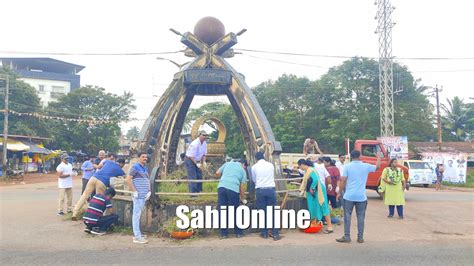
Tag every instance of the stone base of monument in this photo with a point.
(154, 217)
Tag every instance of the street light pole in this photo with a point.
(5, 129)
(440, 140)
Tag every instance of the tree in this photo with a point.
(23, 98)
(457, 119)
(133, 133)
(286, 103)
(89, 102)
(343, 103)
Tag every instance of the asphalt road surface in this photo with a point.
(438, 230)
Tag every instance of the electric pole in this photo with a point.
(384, 31)
(5, 128)
(440, 140)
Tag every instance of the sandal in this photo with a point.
(327, 231)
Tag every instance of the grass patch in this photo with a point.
(469, 181)
(122, 230)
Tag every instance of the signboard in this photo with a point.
(455, 165)
(397, 147)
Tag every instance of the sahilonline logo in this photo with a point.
(241, 217)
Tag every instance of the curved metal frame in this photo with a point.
(208, 74)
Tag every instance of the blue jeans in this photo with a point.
(360, 212)
(391, 210)
(194, 173)
(138, 205)
(227, 197)
(104, 222)
(267, 197)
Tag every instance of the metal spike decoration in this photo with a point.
(207, 74)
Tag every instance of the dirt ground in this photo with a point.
(28, 221)
(30, 178)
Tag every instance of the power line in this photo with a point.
(349, 57)
(238, 49)
(285, 62)
(91, 54)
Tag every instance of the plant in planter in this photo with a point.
(172, 229)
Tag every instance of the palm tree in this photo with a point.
(456, 119)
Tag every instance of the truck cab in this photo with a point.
(369, 150)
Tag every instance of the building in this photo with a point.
(417, 148)
(50, 77)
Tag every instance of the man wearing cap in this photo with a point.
(65, 173)
(263, 174)
(196, 160)
(230, 191)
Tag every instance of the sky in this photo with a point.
(423, 29)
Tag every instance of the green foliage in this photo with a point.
(90, 103)
(23, 99)
(458, 120)
(343, 103)
(133, 133)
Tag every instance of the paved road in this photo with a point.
(367, 254)
(438, 229)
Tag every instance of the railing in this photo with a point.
(157, 181)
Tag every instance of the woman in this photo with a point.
(315, 194)
(394, 181)
(333, 185)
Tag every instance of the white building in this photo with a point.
(50, 77)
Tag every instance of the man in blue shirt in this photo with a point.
(139, 183)
(99, 182)
(233, 178)
(353, 184)
(87, 171)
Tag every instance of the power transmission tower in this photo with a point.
(384, 30)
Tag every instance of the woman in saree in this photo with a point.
(394, 181)
(315, 193)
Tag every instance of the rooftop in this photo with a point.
(42, 63)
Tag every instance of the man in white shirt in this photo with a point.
(340, 163)
(65, 173)
(322, 172)
(196, 160)
(263, 175)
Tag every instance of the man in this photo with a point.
(439, 176)
(99, 159)
(323, 173)
(64, 171)
(110, 157)
(96, 222)
(340, 163)
(263, 175)
(99, 182)
(87, 171)
(139, 183)
(231, 185)
(310, 146)
(353, 183)
(196, 160)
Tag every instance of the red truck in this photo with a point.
(369, 149)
